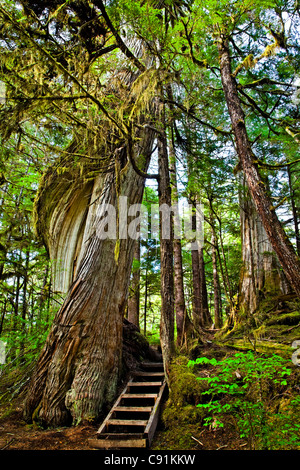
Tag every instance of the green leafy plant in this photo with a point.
(243, 386)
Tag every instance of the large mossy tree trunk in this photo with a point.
(79, 368)
(261, 274)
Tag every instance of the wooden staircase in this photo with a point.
(132, 421)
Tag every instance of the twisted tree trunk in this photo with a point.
(80, 365)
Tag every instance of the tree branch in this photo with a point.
(18, 27)
(133, 163)
(118, 38)
(263, 81)
(217, 130)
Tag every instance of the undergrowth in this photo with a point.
(257, 394)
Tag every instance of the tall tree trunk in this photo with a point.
(80, 365)
(15, 319)
(146, 302)
(180, 312)
(261, 274)
(216, 280)
(166, 255)
(205, 314)
(196, 298)
(134, 289)
(223, 271)
(280, 243)
(294, 211)
(201, 315)
(24, 308)
(226, 273)
(3, 315)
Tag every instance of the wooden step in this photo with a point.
(141, 373)
(154, 365)
(126, 422)
(139, 443)
(132, 409)
(121, 435)
(139, 395)
(145, 384)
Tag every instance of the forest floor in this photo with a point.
(16, 435)
(179, 427)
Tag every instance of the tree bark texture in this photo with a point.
(295, 210)
(216, 281)
(205, 314)
(263, 204)
(134, 290)
(201, 315)
(261, 274)
(196, 300)
(79, 368)
(62, 219)
(166, 257)
(180, 309)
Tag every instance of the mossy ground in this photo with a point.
(271, 331)
(181, 426)
(183, 423)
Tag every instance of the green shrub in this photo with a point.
(244, 385)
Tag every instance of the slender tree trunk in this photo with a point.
(294, 211)
(205, 315)
(196, 298)
(216, 282)
(134, 289)
(280, 243)
(24, 309)
(80, 366)
(166, 255)
(226, 278)
(180, 312)
(3, 315)
(146, 302)
(16, 296)
(223, 271)
(201, 315)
